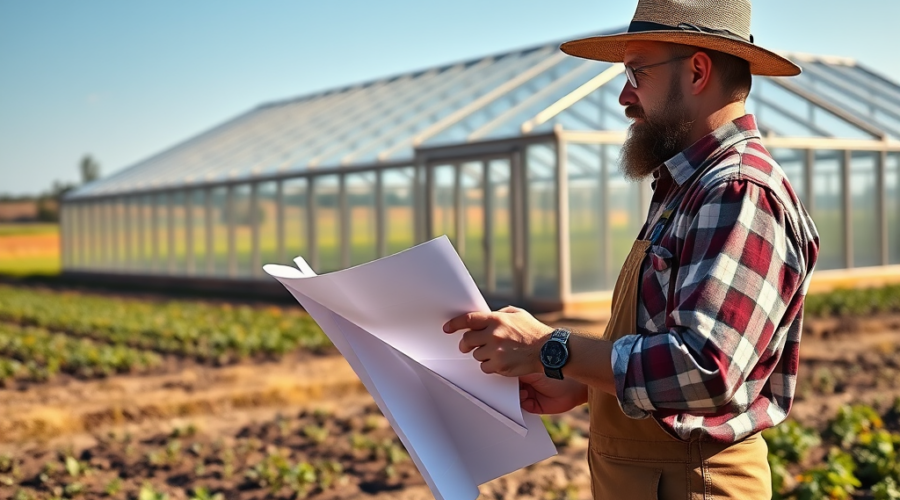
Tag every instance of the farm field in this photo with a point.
(143, 398)
(29, 249)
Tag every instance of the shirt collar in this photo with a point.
(683, 165)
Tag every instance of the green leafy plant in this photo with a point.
(835, 480)
(791, 441)
(887, 489)
(202, 493)
(148, 493)
(780, 476)
(561, 433)
(854, 302)
(113, 487)
(876, 456)
(330, 473)
(851, 421)
(216, 333)
(317, 434)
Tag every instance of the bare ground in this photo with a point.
(123, 427)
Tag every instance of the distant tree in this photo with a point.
(90, 169)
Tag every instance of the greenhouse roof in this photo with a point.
(522, 92)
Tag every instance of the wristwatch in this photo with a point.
(555, 353)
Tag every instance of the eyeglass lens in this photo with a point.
(629, 73)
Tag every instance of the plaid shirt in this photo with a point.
(715, 356)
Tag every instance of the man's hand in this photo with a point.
(507, 341)
(543, 395)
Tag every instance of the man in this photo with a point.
(701, 351)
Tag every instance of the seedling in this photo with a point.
(113, 487)
(148, 493)
(201, 493)
(317, 434)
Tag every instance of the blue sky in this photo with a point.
(125, 80)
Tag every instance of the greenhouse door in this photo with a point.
(472, 203)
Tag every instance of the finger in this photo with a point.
(472, 321)
(510, 309)
(489, 367)
(481, 354)
(531, 406)
(472, 339)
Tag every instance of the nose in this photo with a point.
(628, 96)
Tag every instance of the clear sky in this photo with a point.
(125, 80)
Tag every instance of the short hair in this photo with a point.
(734, 73)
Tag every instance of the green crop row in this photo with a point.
(860, 454)
(36, 354)
(854, 302)
(208, 332)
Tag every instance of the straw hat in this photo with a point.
(722, 25)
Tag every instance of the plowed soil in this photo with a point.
(246, 431)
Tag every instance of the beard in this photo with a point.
(657, 138)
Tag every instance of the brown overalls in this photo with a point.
(637, 459)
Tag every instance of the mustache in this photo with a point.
(635, 111)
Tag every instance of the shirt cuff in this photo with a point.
(633, 397)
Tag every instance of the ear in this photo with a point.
(700, 66)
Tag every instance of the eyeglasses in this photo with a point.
(629, 71)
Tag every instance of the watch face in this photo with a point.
(554, 355)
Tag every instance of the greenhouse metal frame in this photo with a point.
(512, 156)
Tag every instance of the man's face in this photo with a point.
(661, 120)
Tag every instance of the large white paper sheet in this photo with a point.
(461, 426)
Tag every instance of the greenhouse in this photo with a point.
(512, 156)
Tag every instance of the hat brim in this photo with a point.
(611, 48)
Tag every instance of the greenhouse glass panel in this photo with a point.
(360, 195)
(828, 209)
(146, 233)
(219, 216)
(84, 235)
(328, 227)
(123, 240)
(600, 110)
(444, 202)
(587, 217)
(113, 251)
(267, 196)
(107, 254)
(244, 214)
(892, 199)
(793, 162)
(296, 223)
(625, 216)
(94, 243)
(161, 226)
(471, 244)
(178, 245)
(118, 234)
(399, 214)
(864, 209)
(542, 237)
(502, 278)
(70, 212)
(132, 227)
(103, 253)
(199, 242)
(87, 228)
(100, 249)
